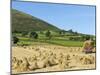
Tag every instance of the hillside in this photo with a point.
(25, 22)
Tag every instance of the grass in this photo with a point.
(62, 42)
(66, 43)
(56, 40)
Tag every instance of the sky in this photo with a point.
(80, 18)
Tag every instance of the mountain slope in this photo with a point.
(25, 22)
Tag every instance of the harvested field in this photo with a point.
(44, 58)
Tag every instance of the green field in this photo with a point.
(62, 42)
(57, 39)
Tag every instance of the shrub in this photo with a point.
(33, 35)
(15, 40)
(48, 34)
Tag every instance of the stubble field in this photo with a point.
(48, 57)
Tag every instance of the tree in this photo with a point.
(63, 31)
(24, 33)
(76, 33)
(36, 36)
(48, 34)
(60, 32)
(15, 40)
(85, 37)
(70, 31)
(33, 35)
(70, 38)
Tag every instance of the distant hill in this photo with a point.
(25, 22)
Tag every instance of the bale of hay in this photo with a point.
(32, 59)
(24, 66)
(14, 59)
(88, 60)
(43, 63)
(53, 60)
(33, 65)
(15, 64)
